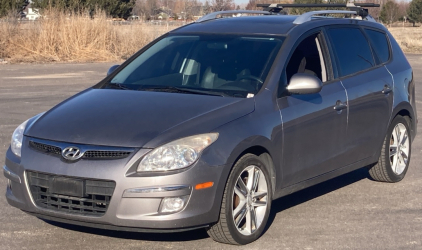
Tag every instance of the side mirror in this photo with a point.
(112, 68)
(302, 83)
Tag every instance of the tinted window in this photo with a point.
(306, 59)
(352, 50)
(380, 44)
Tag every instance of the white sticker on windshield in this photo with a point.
(250, 95)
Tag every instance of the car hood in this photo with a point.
(132, 118)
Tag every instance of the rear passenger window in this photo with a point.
(351, 49)
(379, 44)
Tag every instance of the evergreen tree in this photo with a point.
(389, 12)
(415, 11)
(6, 6)
(114, 8)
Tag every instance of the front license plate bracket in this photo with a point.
(68, 186)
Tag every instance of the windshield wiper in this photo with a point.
(118, 86)
(182, 90)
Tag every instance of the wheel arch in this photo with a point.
(405, 109)
(262, 149)
(220, 231)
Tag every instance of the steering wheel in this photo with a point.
(250, 77)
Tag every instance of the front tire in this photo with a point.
(395, 154)
(246, 203)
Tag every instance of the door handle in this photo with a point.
(340, 106)
(387, 90)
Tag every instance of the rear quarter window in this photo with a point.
(379, 44)
(351, 50)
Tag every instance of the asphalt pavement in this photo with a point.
(348, 212)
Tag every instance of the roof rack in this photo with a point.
(274, 9)
(308, 15)
(214, 15)
(359, 8)
(317, 5)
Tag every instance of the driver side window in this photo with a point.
(307, 58)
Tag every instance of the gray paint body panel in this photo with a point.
(124, 118)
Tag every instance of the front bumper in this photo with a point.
(127, 211)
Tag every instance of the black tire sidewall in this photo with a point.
(237, 169)
(393, 176)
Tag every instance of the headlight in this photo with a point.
(17, 137)
(177, 154)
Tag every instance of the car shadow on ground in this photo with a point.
(278, 205)
(316, 191)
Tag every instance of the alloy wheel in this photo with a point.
(399, 149)
(250, 200)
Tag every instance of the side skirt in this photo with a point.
(324, 177)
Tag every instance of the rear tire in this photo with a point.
(395, 154)
(246, 203)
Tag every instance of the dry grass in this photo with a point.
(409, 38)
(64, 38)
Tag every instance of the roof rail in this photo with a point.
(214, 15)
(305, 17)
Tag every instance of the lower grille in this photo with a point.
(70, 195)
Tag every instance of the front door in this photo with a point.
(314, 125)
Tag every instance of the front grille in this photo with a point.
(88, 154)
(45, 148)
(105, 154)
(94, 201)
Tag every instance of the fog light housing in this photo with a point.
(173, 204)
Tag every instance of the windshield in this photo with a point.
(223, 65)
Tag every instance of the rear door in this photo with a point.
(369, 88)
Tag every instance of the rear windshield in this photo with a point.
(216, 64)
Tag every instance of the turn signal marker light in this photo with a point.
(204, 185)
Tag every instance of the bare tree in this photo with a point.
(207, 8)
(220, 5)
(192, 8)
(252, 3)
(146, 9)
(403, 6)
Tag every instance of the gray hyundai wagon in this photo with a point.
(209, 123)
